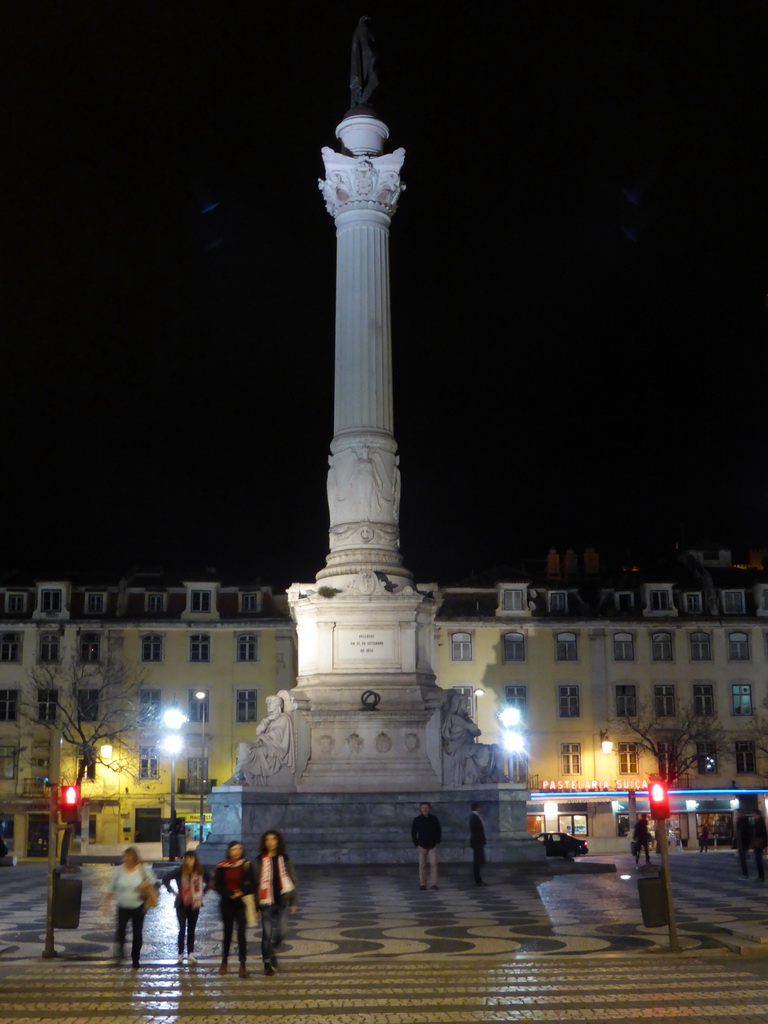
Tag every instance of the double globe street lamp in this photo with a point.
(172, 744)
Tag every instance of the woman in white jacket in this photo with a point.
(129, 884)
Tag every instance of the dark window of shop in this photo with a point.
(622, 825)
(574, 824)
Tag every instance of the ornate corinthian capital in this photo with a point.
(361, 182)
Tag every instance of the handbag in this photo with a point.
(151, 898)
(249, 903)
(633, 847)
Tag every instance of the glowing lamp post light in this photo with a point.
(173, 718)
(513, 740)
(201, 695)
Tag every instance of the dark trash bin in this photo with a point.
(67, 896)
(653, 901)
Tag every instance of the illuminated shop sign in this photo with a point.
(592, 785)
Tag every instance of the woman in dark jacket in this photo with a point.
(191, 880)
(232, 880)
(276, 895)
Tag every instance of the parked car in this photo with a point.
(561, 844)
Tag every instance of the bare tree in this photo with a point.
(90, 704)
(678, 744)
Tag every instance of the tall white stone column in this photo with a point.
(361, 190)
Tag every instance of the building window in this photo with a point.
(570, 758)
(701, 647)
(461, 647)
(199, 647)
(197, 773)
(745, 757)
(49, 647)
(151, 647)
(741, 699)
(706, 758)
(693, 604)
(50, 600)
(625, 601)
(626, 701)
(7, 762)
(558, 602)
(565, 647)
(47, 701)
(704, 699)
(628, 759)
(148, 763)
(514, 647)
(249, 602)
(247, 647)
(661, 646)
(201, 600)
(664, 700)
(664, 757)
(88, 705)
(16, 603)
(199, 708)
(512, 600)
(8, 705)
(765, 599)
(733, 602)
(660, 601)
(89, 647)
(738, 647)
(94, 604)
(515, 697)
(247, 705)
(149, 706)
(155, 602)
(10, 645)
(623, 647)
(569, 701)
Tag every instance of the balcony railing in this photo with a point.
(34, 787)
(191, 787)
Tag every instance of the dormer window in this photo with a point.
(15, 603)
(558, 602)
(733, 602)
(200, 600)
(625, 601)
(250, 601)
(659, 600)
(693, 604)
(155, 602)
(95, 604)
(50, 600)
(512, 600)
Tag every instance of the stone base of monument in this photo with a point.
(370, 828)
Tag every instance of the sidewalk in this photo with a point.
(345, 913)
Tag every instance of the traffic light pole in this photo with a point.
(662, 841)
(54, 771)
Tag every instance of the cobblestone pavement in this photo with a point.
(377, 992)
(347, 913)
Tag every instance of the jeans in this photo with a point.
(233, 911)
(272, 930)
(187, 917)
(136, 916)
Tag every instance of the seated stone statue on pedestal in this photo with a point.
(467, 762)
(272, 751)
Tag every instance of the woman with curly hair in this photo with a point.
(276, 895)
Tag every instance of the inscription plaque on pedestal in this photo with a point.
(359, 646)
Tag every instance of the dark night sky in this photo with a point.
(579, 269)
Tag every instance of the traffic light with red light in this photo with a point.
(69, 803)
(658, 798)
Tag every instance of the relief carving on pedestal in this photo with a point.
(383, 743)
(363, 486)
(326, 744)
(354, 743)
(411, 740)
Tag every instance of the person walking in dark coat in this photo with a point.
(743, 840)
(642, 839)
(759, 842)
(703, 838)
(477, 842)
(426, 835)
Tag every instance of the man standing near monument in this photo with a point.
(426, 834)
(477, 842)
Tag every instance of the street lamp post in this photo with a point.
(174, 718)
(201, 695)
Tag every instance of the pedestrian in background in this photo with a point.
(426, 835)
(191, 880)
(703, 837)
(758, 843)
(477, 842)
(642, 839)
(743, 840)
(276, 895)
(129, 884)
(232, 880)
